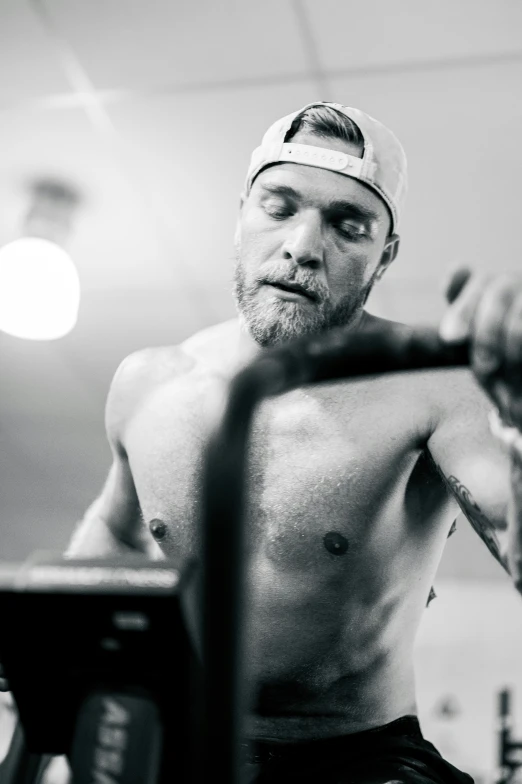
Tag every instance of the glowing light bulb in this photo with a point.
(39, 290)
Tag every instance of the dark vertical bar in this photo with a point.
(223, 572)
(504, 728)
(19, 765)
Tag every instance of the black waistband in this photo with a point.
(404, 727)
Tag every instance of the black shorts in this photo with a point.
(395, 752)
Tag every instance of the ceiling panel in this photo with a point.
(29, 67)
(135, 44)
(190, 157)
(355, 35)
(461, 132)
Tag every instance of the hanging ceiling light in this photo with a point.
(39, 283)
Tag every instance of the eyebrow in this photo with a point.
(337, 205)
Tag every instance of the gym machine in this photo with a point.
(510, 750)
(98, 673)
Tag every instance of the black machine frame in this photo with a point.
(218, 667)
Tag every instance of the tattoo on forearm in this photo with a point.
(477, 518)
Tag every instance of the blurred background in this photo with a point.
(146, 111)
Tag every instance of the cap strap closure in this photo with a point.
(324, 159)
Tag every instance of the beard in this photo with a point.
(274, 321)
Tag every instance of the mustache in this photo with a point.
(308, 282)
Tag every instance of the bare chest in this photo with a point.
(325, 465)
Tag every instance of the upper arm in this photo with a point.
(114, 522)
(116, 513)
(468, 457)
(119, 503)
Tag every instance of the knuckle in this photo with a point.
(495, 322)
(495, 299)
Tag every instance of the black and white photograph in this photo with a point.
(260, 391)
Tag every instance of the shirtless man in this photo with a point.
(354, 484)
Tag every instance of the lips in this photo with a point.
(292, 286)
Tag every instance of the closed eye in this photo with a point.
(351, 231)
(277, 209)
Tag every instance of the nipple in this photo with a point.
(158, 529)
(335, 543)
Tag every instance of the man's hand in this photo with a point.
(487, 311)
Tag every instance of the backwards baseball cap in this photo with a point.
(382, 167)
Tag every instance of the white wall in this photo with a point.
(469, 648)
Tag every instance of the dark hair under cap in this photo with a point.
(326, 122)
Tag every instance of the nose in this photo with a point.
(304, 242)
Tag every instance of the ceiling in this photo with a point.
(151, 109)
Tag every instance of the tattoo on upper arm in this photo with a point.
(477, 518)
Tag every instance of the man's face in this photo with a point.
(309, 246)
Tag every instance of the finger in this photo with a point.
(513, 338)
(489, 328)
(455, 284)
(456, 323)
(513, 359)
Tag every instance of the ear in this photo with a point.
(238, 222)
(390, 251)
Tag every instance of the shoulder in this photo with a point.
(449, 386)
(146, 368)
(441, 395)
(372, 322)
(214, 345)
(376, 322)
(137, 375)
(142, 372)
(458, 402)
